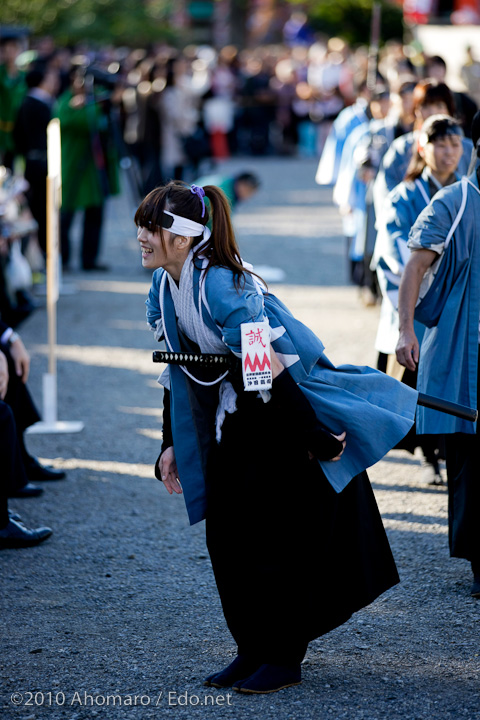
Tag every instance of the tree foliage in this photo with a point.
(350, 19)
(131, 22)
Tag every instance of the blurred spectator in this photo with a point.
(30, 137)
(141, 107)
(219, 107)
(89, 162)
(17, 226)
(179, 120)
(465, 107)
(470, 74)
(12, 91)
(257, 101)
(297, 31)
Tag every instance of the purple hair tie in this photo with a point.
(200, 192)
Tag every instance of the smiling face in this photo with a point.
(155, 251)
(443, 155)
(169, 253)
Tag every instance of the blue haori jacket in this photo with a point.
(347, 120)
(375, 410)
(449, 303)
(402, 207)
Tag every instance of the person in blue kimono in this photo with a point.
(433, 166)
(350, 189)
(368, 156)
(292, 527)
(429, 98)
(348, 119)
(441, 288)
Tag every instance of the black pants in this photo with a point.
(92, 230)
(463, 472)
(292, 558)
(22, 407)
(36, 175)
(11, 469)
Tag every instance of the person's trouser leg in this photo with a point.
(13, 472)
(92, 229)
(25, 413)
(66, 219)
(463, 470)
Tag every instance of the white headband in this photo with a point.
(183, 226)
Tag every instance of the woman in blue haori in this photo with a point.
(293, 531)
(433, 166)
(429, 98)
(441, 288)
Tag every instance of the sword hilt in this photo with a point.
(210, 360)
(446, 406)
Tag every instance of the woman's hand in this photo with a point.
(21, 358)
(341, 438)
(169, 472)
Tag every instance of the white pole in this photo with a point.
(50, 423)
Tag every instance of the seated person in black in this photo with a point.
(14, 369)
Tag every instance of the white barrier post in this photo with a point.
(50, 424)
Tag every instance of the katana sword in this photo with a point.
(230, 362)
(205, 360)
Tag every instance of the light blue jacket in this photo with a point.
(344, 124)
(375, 410)
(451, 307)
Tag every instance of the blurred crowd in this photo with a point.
(157, 113)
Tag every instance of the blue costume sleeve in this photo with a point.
(395, 224)
(396, 159)
(401, 209)
(153, 301)
(230, 306)
(434, 222)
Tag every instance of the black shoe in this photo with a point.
(27, 490)
(238, 670)
(36, 471)
(16, 535)
(270, 679)
(475, 590)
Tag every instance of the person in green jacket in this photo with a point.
(89, 165)
(13, 89)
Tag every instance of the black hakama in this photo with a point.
(292, 558)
